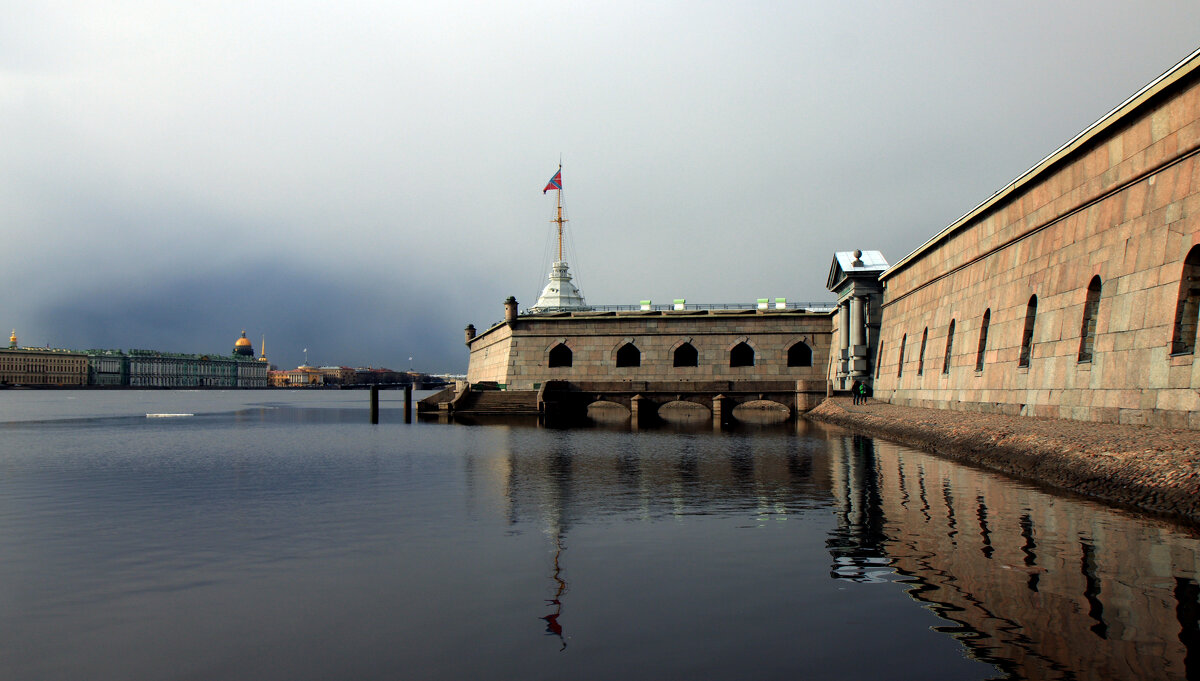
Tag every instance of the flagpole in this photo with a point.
(558, 215)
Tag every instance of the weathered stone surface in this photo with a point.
(518, 354)
(1120, 206)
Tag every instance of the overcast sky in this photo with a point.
(363, 179)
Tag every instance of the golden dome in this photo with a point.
(242, 346)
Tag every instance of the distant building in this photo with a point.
(337, 375)
(107, 367)
(156, 369)
(41, 366)
(305, 377)
(372, 376)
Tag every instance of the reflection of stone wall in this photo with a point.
(1034, 580)
(1122, 203)
(1041, 586)
(775, 475)
(517, 355)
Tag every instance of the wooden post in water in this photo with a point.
(408, 403)
(374, 404)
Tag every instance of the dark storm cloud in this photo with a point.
(341, 322)
(720, 152)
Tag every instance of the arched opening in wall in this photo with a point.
(1087, 330)
(1027, 336)
(799, 355)
(949, 348)
(1187, 311)
(560, 356)
(983, 331)
(900, 364)
(629, 356)
(921, 357)
(878, 360)
(686, 356)
(742, 355)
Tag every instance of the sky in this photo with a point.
(362, 180)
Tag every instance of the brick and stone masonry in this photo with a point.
(517, 353)
(1068, 291)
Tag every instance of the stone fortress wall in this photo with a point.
(1073, 292)
(616, 346)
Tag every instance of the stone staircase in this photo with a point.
(499, 402)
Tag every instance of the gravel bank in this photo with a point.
(1154, 469)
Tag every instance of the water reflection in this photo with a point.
(1050, 588)
(1036, 585)
(260, 541)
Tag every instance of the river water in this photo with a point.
(279, 535)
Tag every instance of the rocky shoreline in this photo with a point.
(1152, 469)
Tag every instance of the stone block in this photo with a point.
(1133, 417)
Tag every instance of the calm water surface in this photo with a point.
(276, 535)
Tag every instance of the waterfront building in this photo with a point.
(156, 369)
(305, 376)
(41, 366)
(697, 361)
(379, 376)
(1074, 291)
(690, 345)
(338, 375)
(153, 369)
(107, 367)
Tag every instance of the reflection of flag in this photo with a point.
(555, 182)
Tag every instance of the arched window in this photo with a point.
(1087, 331)
(799, 355)
(900, 364)
(983, 329)
(1187, 311)
(921, 357)
(560, 356)
(629, 356)
(949, 348)
(686, 356)
(1027, 337)
(742, 355)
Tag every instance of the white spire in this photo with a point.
(560, 293)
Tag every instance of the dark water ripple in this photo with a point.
(279, 536)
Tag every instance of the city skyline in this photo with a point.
(364, 183)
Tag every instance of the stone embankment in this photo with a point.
(1154, 469)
